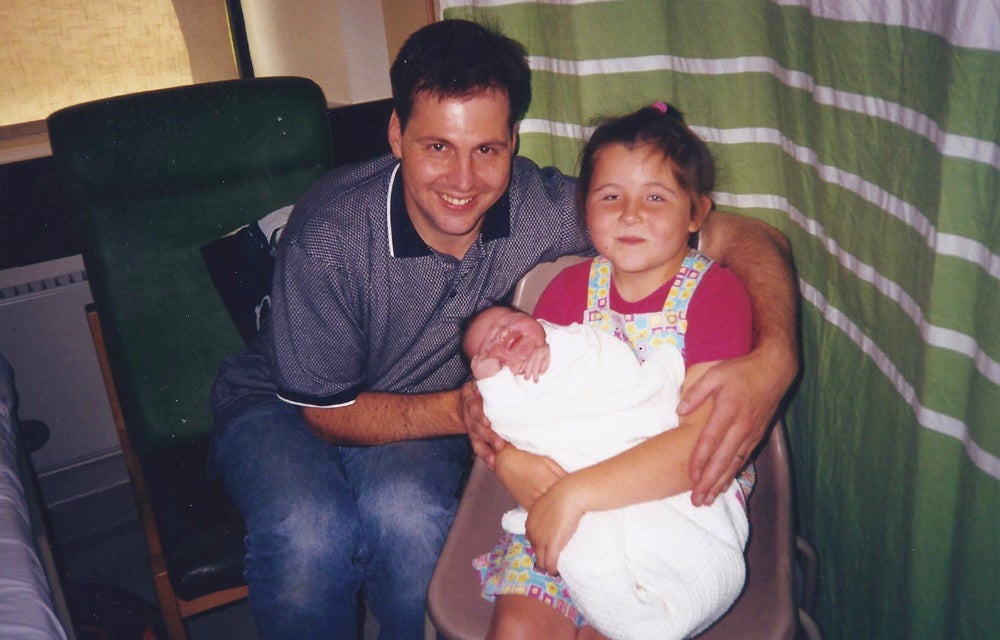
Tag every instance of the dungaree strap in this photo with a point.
(644, 331)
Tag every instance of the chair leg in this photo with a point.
(168, 606)
(808, 629)
(164, 590)
(809, 562)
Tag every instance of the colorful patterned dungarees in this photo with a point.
(510, 567)
(645, 331)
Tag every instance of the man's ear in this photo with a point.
(702, 207)
(395, 134)
(514, 137)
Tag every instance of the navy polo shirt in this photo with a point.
(360, 302)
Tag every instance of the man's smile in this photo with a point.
(458, 202)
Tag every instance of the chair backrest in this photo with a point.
(767, 604)
(157, 175)
(530, 287)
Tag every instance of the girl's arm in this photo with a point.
(526, 475)
(746, 391)
(654, 469)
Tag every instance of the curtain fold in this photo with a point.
(869, 133)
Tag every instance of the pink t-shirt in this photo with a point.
(720, 321)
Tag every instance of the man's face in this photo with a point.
(456, 156)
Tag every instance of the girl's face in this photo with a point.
(640, 218)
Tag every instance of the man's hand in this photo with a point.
(485, 442)
(746, 393)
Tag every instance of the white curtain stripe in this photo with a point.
(450, 4)
(928, 418)
(559, 129)
(966, 23)
(952, 145)
(933, 335)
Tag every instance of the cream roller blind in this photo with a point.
(55, 53)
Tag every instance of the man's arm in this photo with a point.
(746, 390)
(380, 418)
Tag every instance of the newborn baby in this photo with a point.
(501, 337)
(561, 391)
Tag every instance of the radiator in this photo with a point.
(44, 335)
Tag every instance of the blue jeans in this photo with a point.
(327, 522)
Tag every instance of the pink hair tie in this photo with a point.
(662, 107)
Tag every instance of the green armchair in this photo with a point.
(156, 176)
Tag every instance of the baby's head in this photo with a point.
(500, 337)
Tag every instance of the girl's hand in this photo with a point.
(552, 521)
(526, 475)
(485, 441)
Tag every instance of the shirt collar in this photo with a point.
(405, 242)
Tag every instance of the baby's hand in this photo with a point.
(536, 364)
(485, 366)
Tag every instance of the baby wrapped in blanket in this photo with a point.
(658, 569)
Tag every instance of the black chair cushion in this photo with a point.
(201, 530)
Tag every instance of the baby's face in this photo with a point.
(507, 335)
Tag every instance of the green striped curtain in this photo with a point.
(868, 133)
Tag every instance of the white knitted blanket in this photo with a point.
(660, 569)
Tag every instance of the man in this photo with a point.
(340, 431)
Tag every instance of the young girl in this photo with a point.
(644, 187)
